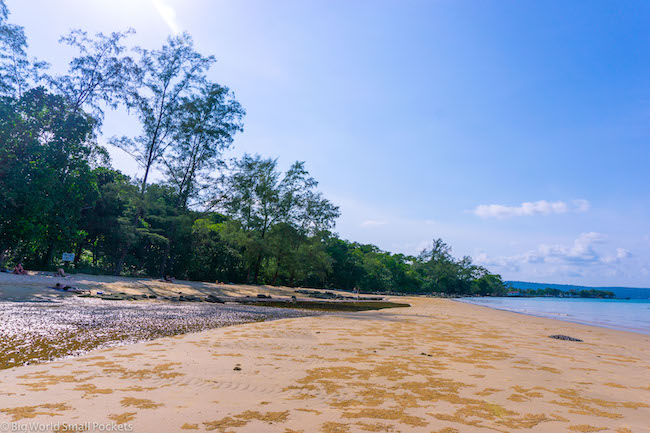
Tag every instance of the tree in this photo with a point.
(46, 177)
(109, 225)
(259, 197)
(207, 123)
(100, 74)
(165, 77)
(284, 243)
(437, 267)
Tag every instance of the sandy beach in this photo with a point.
(438, 366)
(37, 285)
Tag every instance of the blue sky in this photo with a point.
(516, 131)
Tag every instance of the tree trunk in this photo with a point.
(49, 255)
(257, 267)
(275, 276)
(163, 265)
(144, 180)
(278, 260)
(120, 261)
(77, 254)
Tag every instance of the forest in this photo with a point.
(205, 217)
(557, 293)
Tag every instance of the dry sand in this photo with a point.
(38, 284)
(438, 366)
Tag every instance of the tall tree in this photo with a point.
(166, 76)
(100, 74)
(207, 122)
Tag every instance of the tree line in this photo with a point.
(208, 219)
(557, 293)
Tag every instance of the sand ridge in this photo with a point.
(438, 366)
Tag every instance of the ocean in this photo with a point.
(624, 314)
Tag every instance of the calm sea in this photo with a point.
(625, 314)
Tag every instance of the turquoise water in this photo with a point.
(628, 315)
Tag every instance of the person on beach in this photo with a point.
(60, 273)
(19, 270)
(168, 279)
(59, 286)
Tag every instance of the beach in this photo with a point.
(437, 366)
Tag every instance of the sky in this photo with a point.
(518, 132)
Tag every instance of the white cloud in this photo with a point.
(168, 14)
(541, 207)
(620, 255)
(373, 223)
(581, 205)
(582, 250)
(587, 255)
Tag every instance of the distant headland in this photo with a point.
(619, 292)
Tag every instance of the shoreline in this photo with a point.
(435, 366)
(117, 343)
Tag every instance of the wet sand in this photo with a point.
(438, 366)
(33, 332)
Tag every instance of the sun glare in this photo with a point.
(168, 14)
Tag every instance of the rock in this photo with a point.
(214, 300)
(564, 337)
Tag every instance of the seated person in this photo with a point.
(60, 273)
(169, 278)
(19, 270)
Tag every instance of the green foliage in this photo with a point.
(278, 213)
(46, 178)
